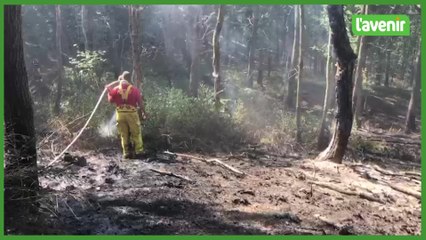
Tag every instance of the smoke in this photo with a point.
(108, 128)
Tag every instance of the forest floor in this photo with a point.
(376, 192)
(277, 195)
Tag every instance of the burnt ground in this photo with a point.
(276, 196)
(375, 191)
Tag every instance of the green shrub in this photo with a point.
(187, 122)
(84, 82)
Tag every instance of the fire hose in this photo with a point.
(81, 131)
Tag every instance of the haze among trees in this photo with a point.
(262, 119)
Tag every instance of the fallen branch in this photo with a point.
(72, 211)
(372, 157)
(171, 174)
(382, 171)
(403, 141)
(406, 191)
(329, 222)
(361, 194)
(413, 174)
(214, 161)
(334, 188)
(370, 197)
(220, 163)
(416, 181)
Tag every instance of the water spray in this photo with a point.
(108, 128)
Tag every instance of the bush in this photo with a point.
(186, 122)
(268, 122)
(85, 80)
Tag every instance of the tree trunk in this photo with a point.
(195, 35)
(134, 27)
(293, 71)
(87, 26)
(283, 58)
(299, 75)
(332, 88)
(387, 71)
(345, 62)
(323, 138)
(277, 42)
(322, 66)
(269, 64)
(114, 47)
(21, 179)
(84, 26)
(413, 69)
(260, 70)
(216, 55)
(379, 67)
(357, 92)
(183, 47)
(169, 37)
(410, 122)
(57, 107)
(404, 62)
(252, 46)
(315, 62)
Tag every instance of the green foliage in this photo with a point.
(188, 122)
(89, 65)
(360, 144)
(197, 121)
(284, 129)
(85, 80)
(265, 119)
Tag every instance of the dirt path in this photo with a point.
(276, 196)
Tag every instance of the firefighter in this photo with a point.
(129, 112)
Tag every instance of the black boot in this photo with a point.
(129, 154)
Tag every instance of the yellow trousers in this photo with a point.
(129, 127)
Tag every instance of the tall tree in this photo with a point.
(260, 67)
(269, 64)
(57, 107)
(88, 26)
(379, 64)
(114, 39)
(293, 69)
(345, 66)
(299, 75)
(253, 20)
(410, 122)
(167, 28)
(388, 64)
(357, 92)
(195, 35)
(20, 147)
(84, 25)
(404, 57)
(413, 67)
(134, 28)
(216, 55)
(322, 137)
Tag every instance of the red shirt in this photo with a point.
(133, 99)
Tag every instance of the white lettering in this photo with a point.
(358, 20)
